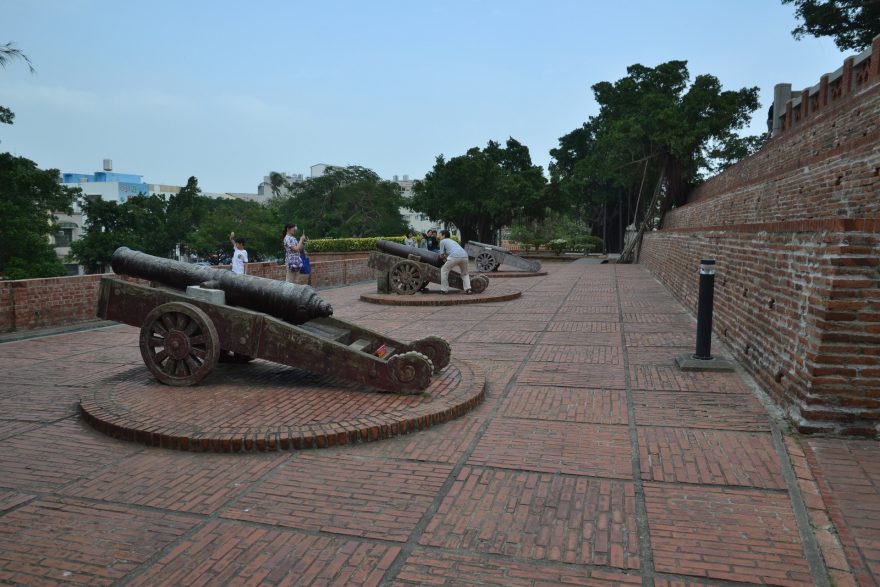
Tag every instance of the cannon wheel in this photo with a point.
(479, 283)
(407, 277)
(435, 348)
(179, 344)
(486, 262)
(410, 372)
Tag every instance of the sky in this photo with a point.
(229, 91)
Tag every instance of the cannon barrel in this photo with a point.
(289, 301)
(491, 247)
(404, 251)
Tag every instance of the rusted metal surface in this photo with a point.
(408, 276)
(289, 301)
(179, 347)
(407, 252)
(490, 257)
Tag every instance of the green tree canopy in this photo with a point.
(483, 190)
(344, 202)
(153, 225)
(183, 214)
(258, 225)
(554, 225)
(652, 124)
(138, 224)
(29, 196)
(852, 23)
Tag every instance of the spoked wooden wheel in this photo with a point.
(179, 344)
(485, 262)
(406, 277)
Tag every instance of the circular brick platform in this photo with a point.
(496, 274)
(433, 297)
(265, 406)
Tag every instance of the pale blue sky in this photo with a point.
(228, 91)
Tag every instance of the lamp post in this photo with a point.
(704, 310)
(702, 359)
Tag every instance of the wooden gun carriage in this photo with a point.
(405, 270)
(489, 258)
(191, 316)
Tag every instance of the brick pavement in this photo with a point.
(591, 461)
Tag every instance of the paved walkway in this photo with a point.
(592, 461)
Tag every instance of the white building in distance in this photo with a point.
(106, 185)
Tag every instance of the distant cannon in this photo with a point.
(490, 257)
(187, 326)
(406, 270)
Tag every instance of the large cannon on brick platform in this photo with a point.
(489, 258)
(191, 316)
(406, 270)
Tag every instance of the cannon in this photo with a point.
(489, 258)
(297, 304)
(406, 270)
(190, 317)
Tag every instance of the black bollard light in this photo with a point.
(704, 310)
(702, 359)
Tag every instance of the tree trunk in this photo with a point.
(485, 233)
(677, 189)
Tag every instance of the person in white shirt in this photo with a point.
(455, 257)
(239, 255)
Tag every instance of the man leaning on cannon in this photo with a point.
(454, 256)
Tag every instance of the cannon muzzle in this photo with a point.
(404, 251)
(289, 301)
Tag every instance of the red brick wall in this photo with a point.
(40, 303)
(29, 304)
(795, 231)
(7, 309)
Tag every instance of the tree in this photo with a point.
(104, 230)
(138, 224)
(9, 53)
(29, 196)
(554, 226)
(653, 129)
(149, 224)
(259, 225)
(277, 183)
(344, 202)
(852, 23)
(183, 214)
(483, 190)
(145, 219)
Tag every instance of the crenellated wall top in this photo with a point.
(791, 108)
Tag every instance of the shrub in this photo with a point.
(558, 245)
(597, 243)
